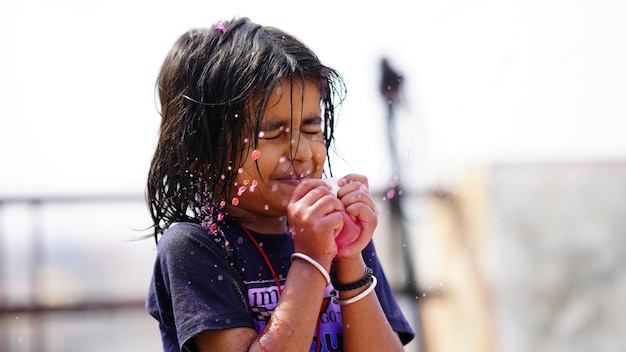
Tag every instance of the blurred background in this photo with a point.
(496, 153)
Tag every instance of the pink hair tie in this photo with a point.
(221, 27)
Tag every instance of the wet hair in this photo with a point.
(213, 87)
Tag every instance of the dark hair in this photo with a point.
(206, 85)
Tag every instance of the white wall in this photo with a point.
(485, 81)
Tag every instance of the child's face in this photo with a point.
(291, 147)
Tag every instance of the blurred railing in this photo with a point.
(28, 317)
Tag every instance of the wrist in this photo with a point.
(347, 271)
(363, 281)
(314, 263)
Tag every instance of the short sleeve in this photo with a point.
(194, 287)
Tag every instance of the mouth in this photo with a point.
(290, 179)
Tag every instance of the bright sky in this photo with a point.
(485, 82)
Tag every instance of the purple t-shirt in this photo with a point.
(201, 284)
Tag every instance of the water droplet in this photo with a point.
(220, 277)
(261, 134)
(220, 216)
(235, 201)
(240, 170)
(255, 154)
(241, 190)
(266, 207)
(245, 140)
(282, 159)
(391, 193)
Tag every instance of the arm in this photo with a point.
(313, 222)
(292, 325)
(365, 325)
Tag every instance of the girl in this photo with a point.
(247, 230)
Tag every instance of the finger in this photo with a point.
(350, 178)
(305, 188)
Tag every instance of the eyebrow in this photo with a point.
(276, 124)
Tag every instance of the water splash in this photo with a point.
(256, 154)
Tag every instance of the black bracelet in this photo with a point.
(367, 278)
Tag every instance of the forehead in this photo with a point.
(293, 99)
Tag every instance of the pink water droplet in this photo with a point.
(282, 159)
(241, 190)
(261, 134)
(266, 207)
(222, 204)
(256, 154)
(245, 140)
(235, 201)
(220, 216)
(391, 193)
(245, 182)
(240, 170)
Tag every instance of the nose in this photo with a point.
(300, 148)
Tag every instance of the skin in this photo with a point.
(288, 190)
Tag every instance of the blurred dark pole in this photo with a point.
(390, 88)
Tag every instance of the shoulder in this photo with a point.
(182, 232)
(185, 235)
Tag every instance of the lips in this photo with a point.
(290, 181)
